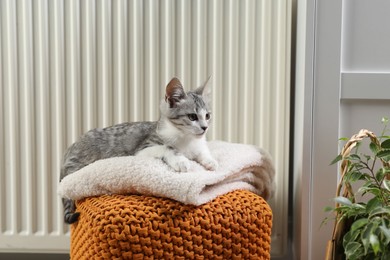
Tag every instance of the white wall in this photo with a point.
(302, 129)
(342, 85)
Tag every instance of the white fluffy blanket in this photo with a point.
(240, 167)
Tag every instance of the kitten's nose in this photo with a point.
(204, 128)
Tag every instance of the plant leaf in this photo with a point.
(368, 230)
(380, 174)
(380, 211)
(355, 156)
(343, 201)
(328, 209)
(386, 184)
(370, 189)
(366, 244)
(386, 232)
(359, 223)
(384, 154)
(373, 204)
(374, 148)
(367, 157)
(375, 243)
(354, 176)
(386, 144)
(337, 159)
(353, 250)
(350, 236)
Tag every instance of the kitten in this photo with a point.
(177, 137)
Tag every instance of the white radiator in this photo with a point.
(67, 66)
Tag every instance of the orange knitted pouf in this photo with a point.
(233, 226)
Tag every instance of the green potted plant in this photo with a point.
(362, 202)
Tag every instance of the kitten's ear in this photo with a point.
(174, 92)
(205, 89)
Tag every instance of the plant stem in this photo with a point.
(378, 184)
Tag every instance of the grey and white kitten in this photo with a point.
(177, 137)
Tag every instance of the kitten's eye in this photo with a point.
(192, 117)
(207, 116)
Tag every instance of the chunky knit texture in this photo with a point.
(233, 226)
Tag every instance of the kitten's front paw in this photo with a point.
(210, 164)
(179, 163)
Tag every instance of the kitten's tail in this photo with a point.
(70, 216)
(69, 166)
